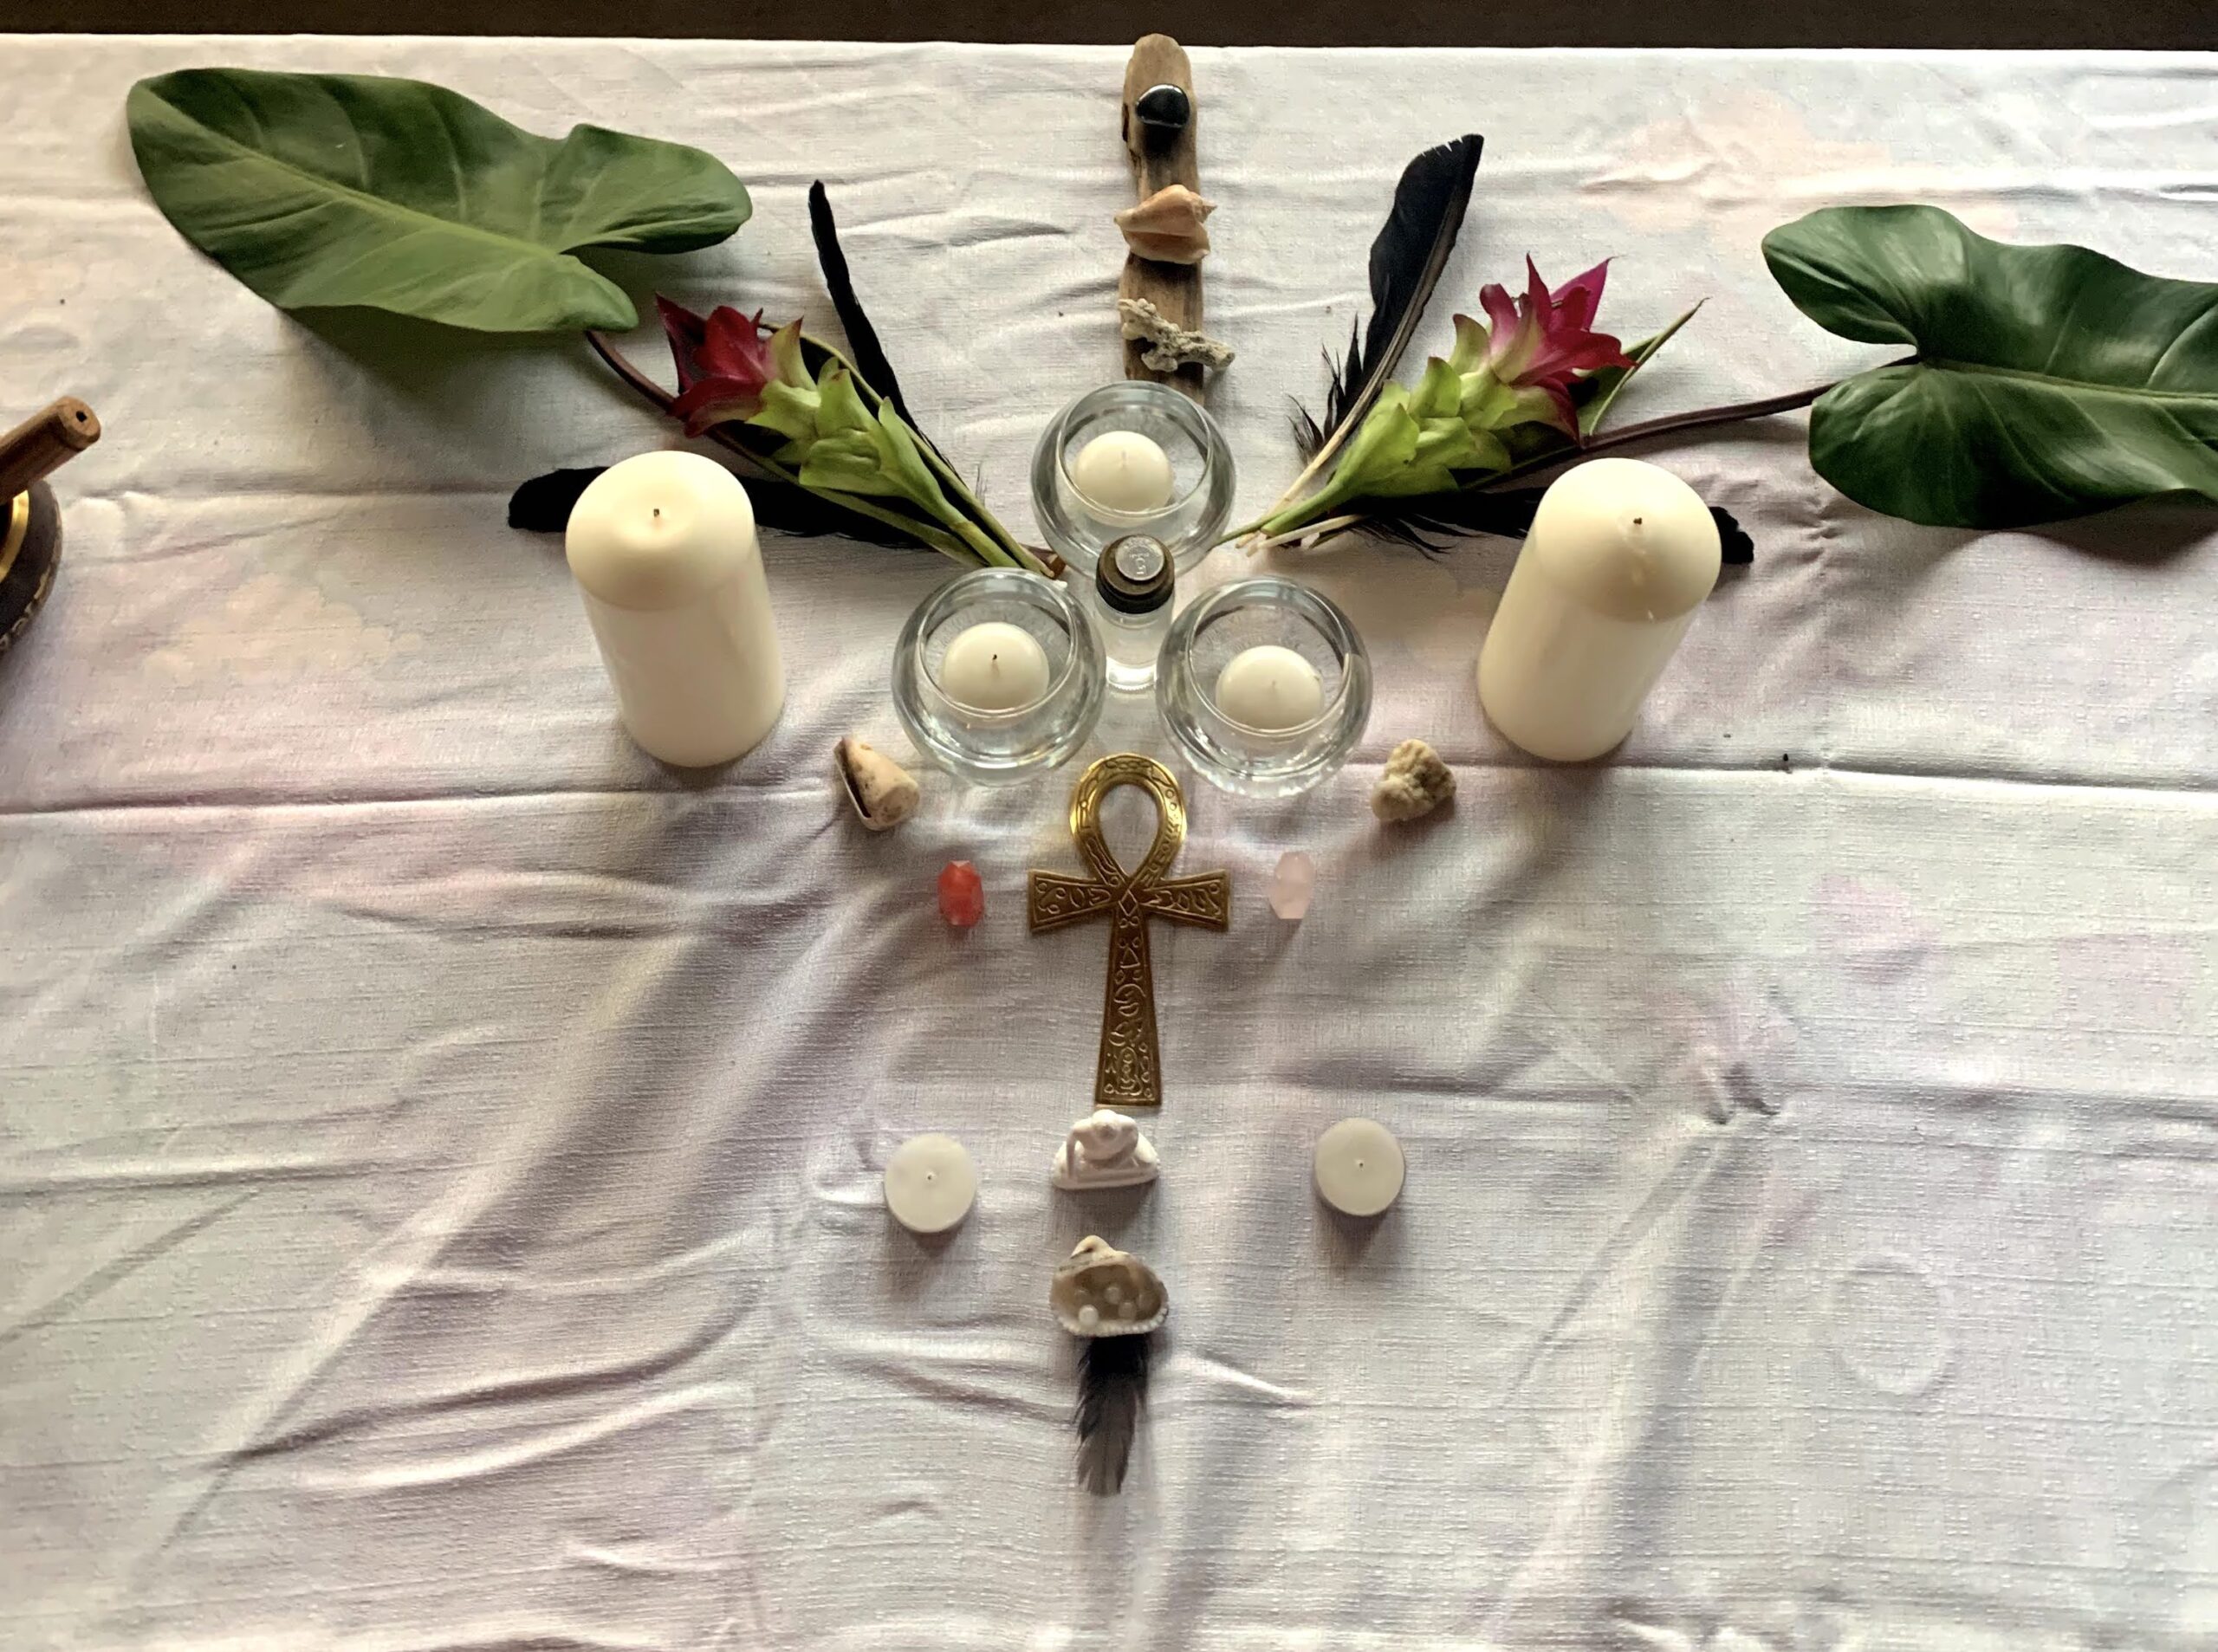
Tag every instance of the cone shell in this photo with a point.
(1167, 226)
(1104, 1292)
(883, 792)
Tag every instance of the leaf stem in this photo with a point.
(1649, 430)
(1672, 424)
(1701, 418)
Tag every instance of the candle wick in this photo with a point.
(1636, 521)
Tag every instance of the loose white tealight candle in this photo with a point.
(930, 1183)
(993, 666)
(1269, 688)
(664, 549)
(1123, 471)
(1359, 1167)
(1620, 555)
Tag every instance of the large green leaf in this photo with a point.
(326, 190)
(2049, 382)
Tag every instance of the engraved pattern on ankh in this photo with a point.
(1129, 1072)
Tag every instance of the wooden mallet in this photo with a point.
(30, 521)
(43, 443)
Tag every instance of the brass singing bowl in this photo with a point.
(24, 588)
(19, 530)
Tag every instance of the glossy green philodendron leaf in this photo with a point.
(319, 190)
(2049, 382)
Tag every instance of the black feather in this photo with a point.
(1736, 548)
(1111, 1392)
(867, 357)
(1430, 521)
(1406, 262)
(789, 507)
(863, 348)
(542, 505)
(1308, 434)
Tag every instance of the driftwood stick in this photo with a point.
(43, 443)
(1175, 289)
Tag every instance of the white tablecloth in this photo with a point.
(440, 1151)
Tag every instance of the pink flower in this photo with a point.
(1542, 340)
(724, 359)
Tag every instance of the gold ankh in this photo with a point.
(1130, 1072)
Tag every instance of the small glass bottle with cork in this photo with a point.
(1133, 586)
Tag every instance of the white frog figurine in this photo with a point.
(1104, 1150)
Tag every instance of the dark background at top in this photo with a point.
(1916, 23)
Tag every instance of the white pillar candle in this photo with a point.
(663, 550)
(1123, 471)
(930, 1183)
(993, 666)
(1269, 688)
(1620, 555)
(1359, 1167)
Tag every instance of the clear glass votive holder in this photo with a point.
(1229, 620)
(993, 747)
(1201, 474)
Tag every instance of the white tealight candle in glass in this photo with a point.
(993, 666)
(1620, 555)
(1269, 688)
(1123, 471)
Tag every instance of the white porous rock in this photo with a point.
(882, 791)
(1104, 1150)
(1169, 346)
(1103, 1292)
(1416, 783)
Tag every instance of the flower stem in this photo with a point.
(945, 544)
(987, 550)
(1006, 549)
(1258, 542)
(1330, 446)
(622, 366)
(972, 546)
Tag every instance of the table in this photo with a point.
(439, 1150)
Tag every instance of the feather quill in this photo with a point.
(1430, 521)
(868, 356)
(1112, 1389)
(863, 348)
(1406, 262)
(542, 505)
